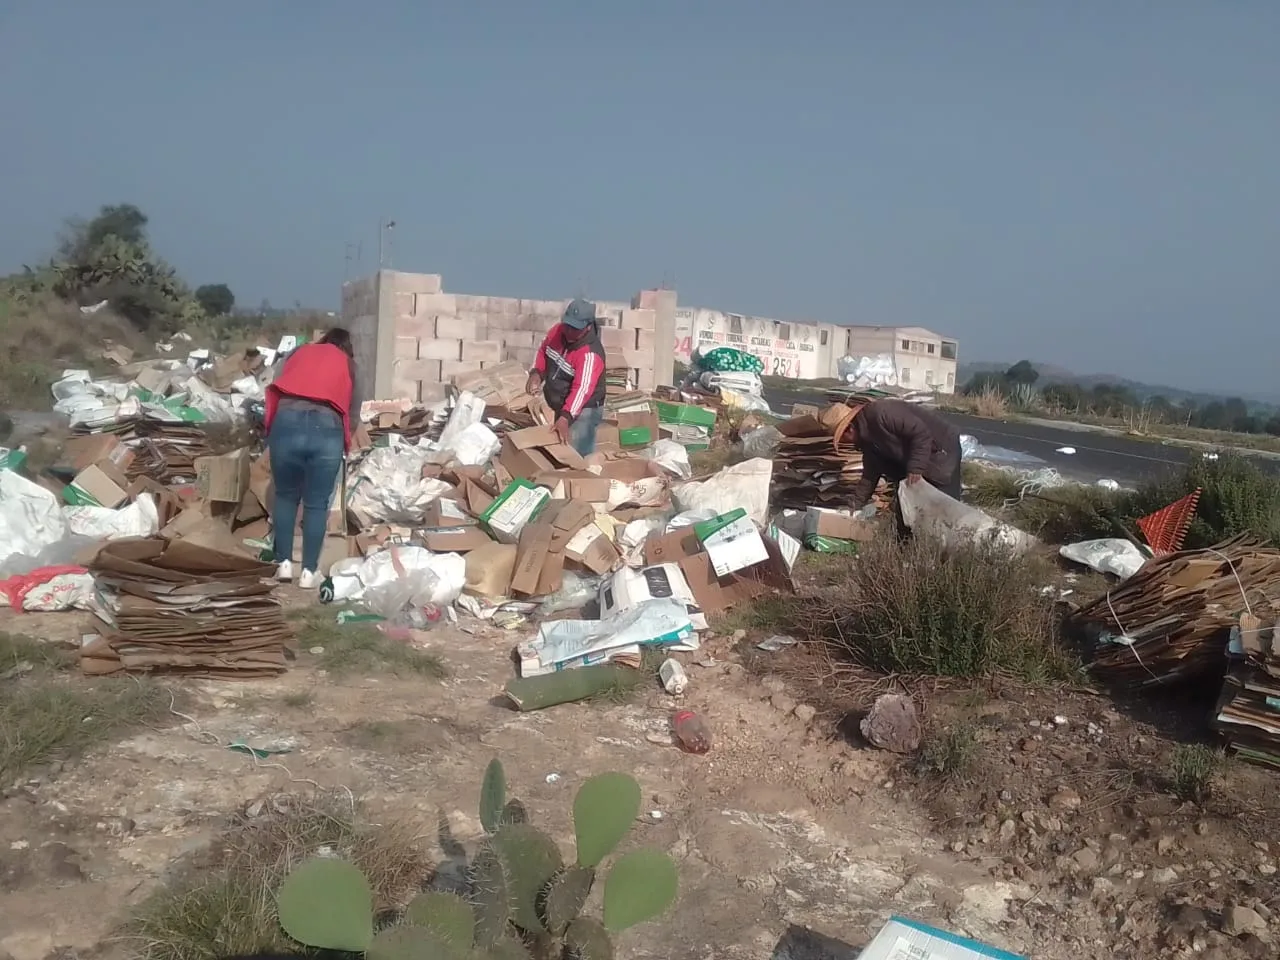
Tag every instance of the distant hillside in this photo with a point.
(1053, 374)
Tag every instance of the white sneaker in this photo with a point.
(284, 572)
(309, 580)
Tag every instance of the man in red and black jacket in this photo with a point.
(570, 370)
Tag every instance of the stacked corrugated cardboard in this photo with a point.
(1248, 710)
(1171, 621)
(180, 608)
(814, 465)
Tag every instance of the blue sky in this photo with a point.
(1091, 183)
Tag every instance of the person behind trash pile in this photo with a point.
(906, 443)
(570, 370)
(308, 422)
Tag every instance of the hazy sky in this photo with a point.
(1090, 182)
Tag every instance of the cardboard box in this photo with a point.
(476, 497)
(627, 469)
(531, 552)
(833, 525)
(80, 452)
(903, 939)
(566, 517)
(456, 539)
(523, 464)
(664, 581)
(223, 479)
(518, 504)
(99, 484)
(575, 485)
(608, 439)
(715, 593)
(565, 456)
(637, 427)
(537, 436)
(591, 548)
(443, 512)
(732, 541)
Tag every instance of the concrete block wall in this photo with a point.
(414, 337)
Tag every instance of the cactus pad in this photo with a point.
(493, 794)
(412, 943)
(603, 811)
(586, 939)
(446, 915)
(490, 900)
(531, 858)
(327, 903)
(640, 886)
(563, 897)
(515, 812)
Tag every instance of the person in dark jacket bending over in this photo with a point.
(906, 443)
(570, 370)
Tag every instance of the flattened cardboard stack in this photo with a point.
(164, 452)
(1171, 620)
(814, 466)
(1248, 710)
(185, 609)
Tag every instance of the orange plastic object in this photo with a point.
(1167, 527)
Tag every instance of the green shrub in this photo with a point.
(914, 608)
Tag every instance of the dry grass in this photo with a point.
(360, 647)
(48, 715)
(223, 904)
(911, 609)
(41, 335)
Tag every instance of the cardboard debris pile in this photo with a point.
(814, 464)
(1248, 710)
(181, 609)
(1171, 621)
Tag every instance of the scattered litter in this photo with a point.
(775, 643)
(264, 750)
(1120, 558)
(552, 778)
(1068, 451)
(674, 680)
(1107, 483)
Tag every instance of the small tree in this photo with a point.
(216, 299)
(1022, 372)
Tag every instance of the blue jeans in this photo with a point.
(307, 447)
(582, 433)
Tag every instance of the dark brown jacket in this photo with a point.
(898, 439)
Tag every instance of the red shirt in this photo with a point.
(582, 362)
(315, 371)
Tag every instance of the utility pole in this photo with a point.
(384, 249)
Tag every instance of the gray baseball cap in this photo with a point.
(579, 313)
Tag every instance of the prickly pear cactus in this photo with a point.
(327, 903)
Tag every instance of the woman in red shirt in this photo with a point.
(308, 421)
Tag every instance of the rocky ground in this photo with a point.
(1059, 836)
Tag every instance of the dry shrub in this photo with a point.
(223, 904)
(991, 403)
(914, 608)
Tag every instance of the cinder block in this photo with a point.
(519, 338)
(645, 379)
(646, 340)
(471, 304)
(477, 351)
(500, 306)
(406, 370)
(432, 392)
(403, 390)
(455, 328)
(437, 349)
(416, 282)
(406, 348)
(435, 305)
(615, 339)
(419, 328)
(631, 358)
(522, 355)
(641, 319)
(455, 368)
(403, 304)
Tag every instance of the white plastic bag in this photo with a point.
(353, 578)
(561, 644)
(30, 521)
(138, 519)
(475, 446)
(1112, 555)
(927, 509)
(672, 457)
(741, 485)
(389, 486)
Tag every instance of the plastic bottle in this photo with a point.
(673, 677)
(692, 733)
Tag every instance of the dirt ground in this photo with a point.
(1066, 843)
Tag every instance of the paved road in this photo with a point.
(1124, 459)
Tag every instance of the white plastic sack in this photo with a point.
(649, 492)
(573, 643)
(1112, 555)
(927, 509)
(69, 590)
(762, 441)
(672, 457)
(353, 577)
(631, 538)
(138, 519)
(879, 370)
(475, 446)
(741, 485)
(467, 411)
(389, 486)
(31, 520)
